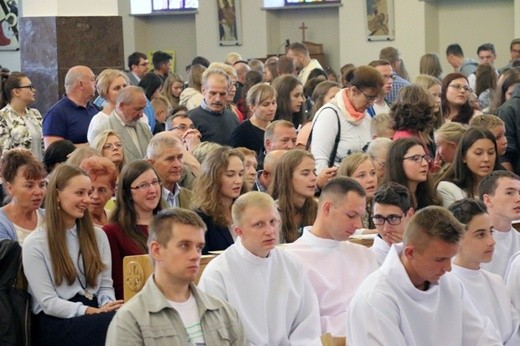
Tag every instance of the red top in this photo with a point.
(121, 246)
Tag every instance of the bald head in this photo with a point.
(80, 83)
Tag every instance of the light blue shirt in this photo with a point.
(54, 300)
(172, 198)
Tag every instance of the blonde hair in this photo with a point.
(105, 78)
(350, 163)
(167, 86)
(450, 132)
(380, 123)
(486, 121)
(255, 199)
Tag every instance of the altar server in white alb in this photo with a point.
(487, 289)
(392, 209)
(265, 284)
(411, 300)
(500, 191)
(335, 266)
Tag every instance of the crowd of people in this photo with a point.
(274, 166)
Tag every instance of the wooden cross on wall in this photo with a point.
(302, 28)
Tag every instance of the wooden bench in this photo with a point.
(137, 269)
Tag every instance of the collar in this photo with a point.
(204, 106)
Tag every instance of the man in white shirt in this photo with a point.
(324, 245)
(299, 53)
(500, 191)
(391, 211)
(411, 300)
(265, 284)
(170, 309)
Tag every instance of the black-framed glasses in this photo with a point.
(30, 86)
(369, 98)
(390, 219)
(145, 185)
(418, 158)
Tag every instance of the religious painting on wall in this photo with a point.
(380, 20)
(9, 25)
(229, 24)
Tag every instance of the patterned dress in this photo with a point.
(18, 131)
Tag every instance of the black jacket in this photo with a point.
(509, 112)
(15, 310)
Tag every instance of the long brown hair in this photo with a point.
(282, 189)
(62, 264)
(125, 214)
(206, 188)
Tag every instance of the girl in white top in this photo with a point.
(487, 289)
(475, 158)
(67, 265)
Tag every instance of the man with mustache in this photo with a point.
(323, 245)
(211, 118)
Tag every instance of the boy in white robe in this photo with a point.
(500, 191)
(487, 289)
(391, 211)
(266, 285)
(410, 301)
(324, 245)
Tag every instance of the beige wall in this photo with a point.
(473, 22)
(420, 27)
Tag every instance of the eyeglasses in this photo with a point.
(390, 219)
(183, 127)
(459, 87)
(26, 87)
(112, 145)
(418, 158)
(369, 97)
(146, 185)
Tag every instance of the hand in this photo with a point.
(325, 175)
(110, 306)
(191, 139)
(394, 237)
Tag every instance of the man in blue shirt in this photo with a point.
(69, 117)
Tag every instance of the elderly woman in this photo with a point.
(20, 126)
(103, 175)
(24, 181)
(108, 85)
(341, 127)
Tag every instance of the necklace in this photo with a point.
(88, 294)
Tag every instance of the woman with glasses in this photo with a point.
(410, 168)
(342, 124)
(108, 85)
(103, 175)
(138, 198)
(220, 183)
(66, 262)
(476, 157)
(23, 178)
(20, 126)
(455, 93)
(109, 145)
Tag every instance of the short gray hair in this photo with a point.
(159, 142)
(212, 72)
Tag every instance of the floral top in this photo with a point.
(21, 131)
